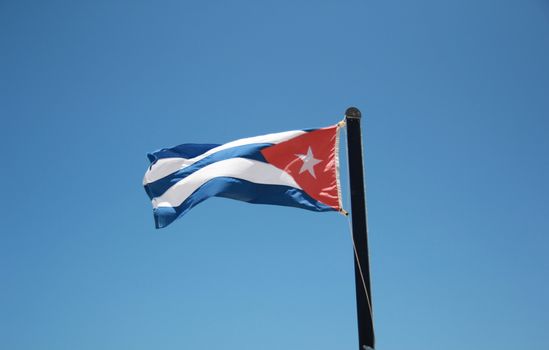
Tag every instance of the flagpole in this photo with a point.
(360, 230)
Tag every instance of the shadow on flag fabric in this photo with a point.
(293, 168)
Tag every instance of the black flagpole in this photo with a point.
(360, 231)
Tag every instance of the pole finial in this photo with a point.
(353, 112)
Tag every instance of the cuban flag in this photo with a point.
(293, 168)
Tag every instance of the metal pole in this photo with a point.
(360, 232)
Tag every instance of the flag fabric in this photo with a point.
(293, 168)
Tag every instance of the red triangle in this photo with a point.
(321, 145)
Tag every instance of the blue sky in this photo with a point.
(455, 102)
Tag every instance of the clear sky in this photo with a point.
(455, 98)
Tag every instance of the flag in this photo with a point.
(294, 168)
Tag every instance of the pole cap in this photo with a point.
(353, 112)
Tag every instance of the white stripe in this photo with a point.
(166, 166)
(241, 168)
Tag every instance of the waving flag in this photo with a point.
(294, 168)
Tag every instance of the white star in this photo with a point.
(309, 162)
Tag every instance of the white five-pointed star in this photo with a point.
(309, 162)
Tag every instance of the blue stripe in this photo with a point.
(186, 150)
(241, 190)
(251, 151)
